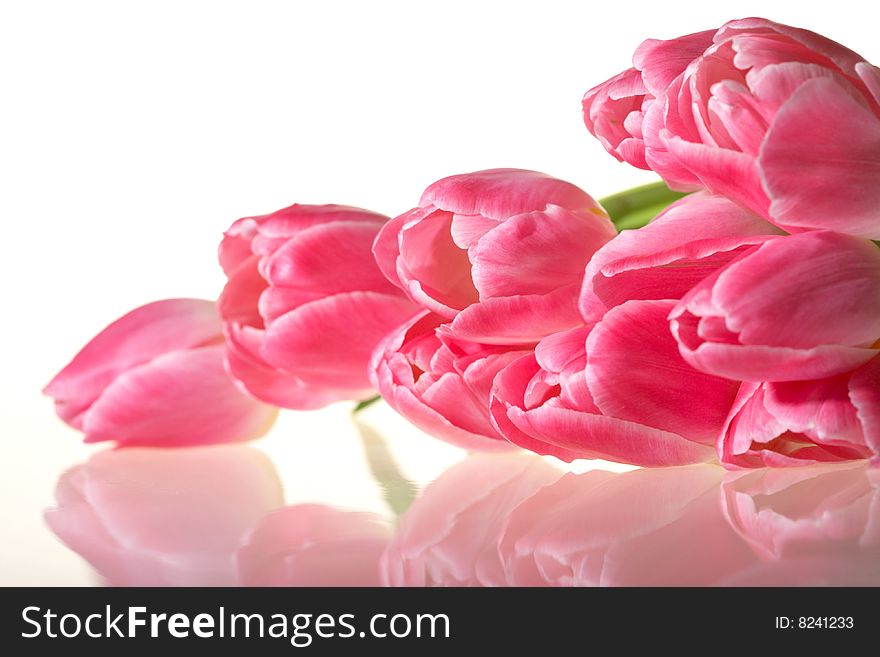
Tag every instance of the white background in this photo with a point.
(133, 133)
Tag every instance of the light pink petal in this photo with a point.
(329, 258)
(180, 398)
(663, 260)
(635, 372)
(723, 171)
(558, 350)
(449, 396)
(386, 247)
(269, 384)
(240, 298)
(870, 75)
(537, 252)
(734, 108)
(518, 319)
(329, 342)
(596, 436)
(657, 155)
(819, 169)
(467, 230)
(760, 363)
(815, 47)
(612, 113)
(764, 299)
(275, 301)
(660, 62)
(774, 84)
(432, 266)
(864, 393)
(502, 193)
(134, 339)
(508, 399)
(314, 545)
(819, 409)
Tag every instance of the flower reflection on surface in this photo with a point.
(216, 516)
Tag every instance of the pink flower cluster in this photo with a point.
(742, 324)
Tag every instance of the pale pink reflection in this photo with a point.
(153, 517)
(653, 527)
(810, 526)
(315, 545)
(513, 520)
(449, 536)
(211, 516)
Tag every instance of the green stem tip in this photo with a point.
(633, 208)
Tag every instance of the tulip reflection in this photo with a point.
(152, 517)
(210, 516)
(513, 520)
(810, 526)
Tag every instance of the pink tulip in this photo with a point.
(449, 536)
(687, 242)
(305, 304)
(656, 527)
(618, 390)
(440, 383)
(156, 377)
(794, 308)
(802, 422)
(779, 119)
(147, 517)
(498, 253)
(614, 111)
(314, 545)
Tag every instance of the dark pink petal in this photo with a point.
(691, 239)
(502, 193)
(537, 252)
(179, 398)
(596, 436)
(134, 339)
(723, 171)
(864, 393)
(635, 372)
(328, 342)
(821, 410)
(269, 384)
(329, 258)
(660, 62)
(518, 319)
(819, 170)
(764, 299)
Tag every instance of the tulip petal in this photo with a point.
(819, 169)
(597, 436)
(132, 340)
(518, 319)
(537, 252)
(661, 61)
(502, 193)
(317, 342)
(179, 398)
(329, 258)
(635, 373)
(267, 383)
(723, 171)
(663, 260)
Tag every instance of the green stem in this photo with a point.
(633, 208)
(365, 404)
(398, 491)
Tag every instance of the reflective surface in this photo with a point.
(225, 516)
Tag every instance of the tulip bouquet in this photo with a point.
(729, 313)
